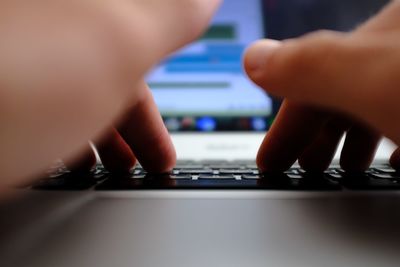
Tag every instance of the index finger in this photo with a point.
(295, 127)
(144, 131)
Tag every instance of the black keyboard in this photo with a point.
(222, 175)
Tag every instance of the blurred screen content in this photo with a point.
(205, 81)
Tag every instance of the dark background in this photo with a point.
(291, 18)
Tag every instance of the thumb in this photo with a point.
(319, 69)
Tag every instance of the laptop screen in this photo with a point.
(203, 86)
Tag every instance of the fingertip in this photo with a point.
(115, 154)
(257, 56)
(318, 155)
(359, 148)
(267, 162)
(120, 163)
(84, 162)
(167, 165)
(352, 167)
(164, 160)
(260, 162)
(313, 166)
(263, 164)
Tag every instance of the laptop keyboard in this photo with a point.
(222, 175)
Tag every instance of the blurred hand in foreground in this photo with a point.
(73, 71)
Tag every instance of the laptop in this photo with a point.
(215, 208)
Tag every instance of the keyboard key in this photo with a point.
(224, 167)
(334, 176)
(137, 171)
(251, 177)
(382, 175)
(138, 176)
(181, 177)
(196, 171)
(296, 172)
(189, 167)
(295, 176)
(385, 170)
(224, 177)
(238, 172)
(332, 173)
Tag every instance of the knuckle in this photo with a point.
(310, 52)
(326, 35)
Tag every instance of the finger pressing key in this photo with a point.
(318, 156)
(114, 152)
(359, 148)
(144, 131)
(83, 162)
(294, 129)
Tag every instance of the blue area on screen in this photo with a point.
(206, 124)
(216, 58)
(259, 124)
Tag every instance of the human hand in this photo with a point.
(71, 69)
(332, 83)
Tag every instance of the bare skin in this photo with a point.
(331, 83)
(72, 71)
